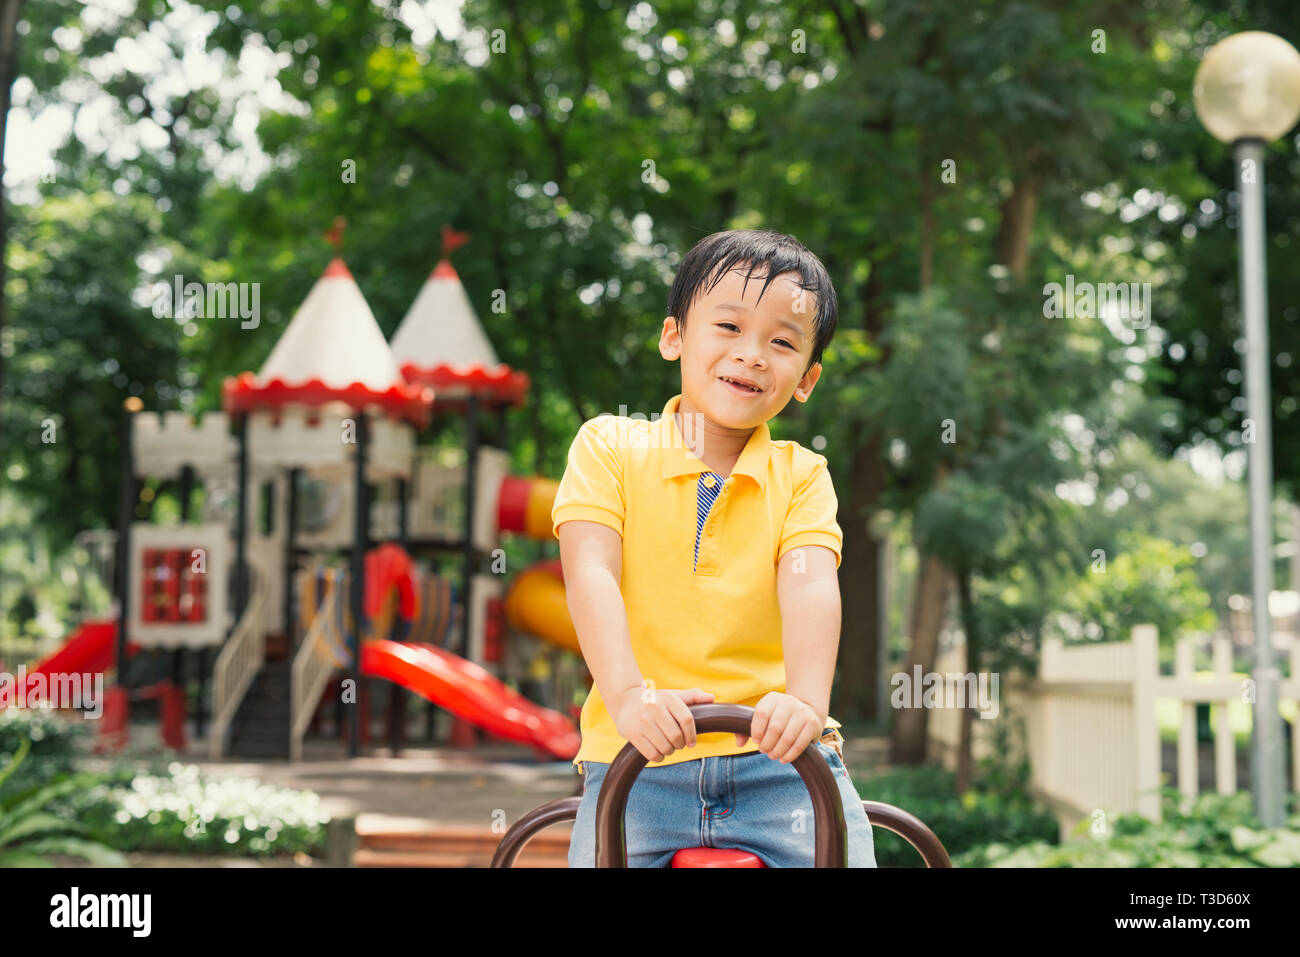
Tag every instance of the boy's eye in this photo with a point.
(732, 325)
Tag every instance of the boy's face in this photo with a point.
(729, 333)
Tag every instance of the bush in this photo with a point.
(30, 832)
(183, 812)
(1217, 831)
(961, 823)
(997, 807)
(56, 744)
(171, 810)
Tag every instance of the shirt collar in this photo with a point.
(678, 458)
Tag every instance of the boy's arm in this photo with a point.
(808, 591)
(592, 557)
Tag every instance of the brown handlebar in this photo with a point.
(830, 831)
(884, 816)
(911, 829)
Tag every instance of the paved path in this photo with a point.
(426, 786)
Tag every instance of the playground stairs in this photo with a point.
(261, 725)
(384, 845)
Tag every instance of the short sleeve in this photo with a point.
(811, 517)
(592, 487)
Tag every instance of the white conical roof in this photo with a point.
(333, 337)
(441, 327)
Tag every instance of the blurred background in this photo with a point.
(1008, 474)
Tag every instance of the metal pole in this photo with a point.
(186, 494)
(884, 557)
(471, 478)
(360, 542)
(241, 523)
(290, 557)
(396, 694)
(1266, 749)
(125, 516)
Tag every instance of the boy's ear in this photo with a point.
(805, 387)
(670, 340)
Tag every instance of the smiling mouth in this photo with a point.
(739, 385)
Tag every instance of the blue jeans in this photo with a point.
(745, 801)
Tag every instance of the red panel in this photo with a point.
(493, 632)
(512, 504)
(715, 857)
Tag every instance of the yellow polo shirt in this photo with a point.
(711, 622)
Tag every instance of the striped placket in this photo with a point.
(708, 488)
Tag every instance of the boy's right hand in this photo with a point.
(658, 721)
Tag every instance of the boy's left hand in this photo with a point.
(783, 726)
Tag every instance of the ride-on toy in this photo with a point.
(828, 813)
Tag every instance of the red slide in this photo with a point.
(90, 649)
(471, 691)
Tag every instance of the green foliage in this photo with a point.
(41, 589)
(181, 811)
(742, 129)
(1217, 831)
(171, 810)
(964, 823)
(1151, 581)
(81, 344)
(56, 743)
(29, 829)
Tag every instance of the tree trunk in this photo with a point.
(928, 231)
(907, 743)
(859, 677)
(908, 739)
(1011, 247)
(972, 666)
(8, 69)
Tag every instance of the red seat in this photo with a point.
(715, 857)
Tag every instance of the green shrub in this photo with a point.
(186, 813)
(997, 807)
(1217, 831)
(56, 743)
(974, 819)
(30, 832)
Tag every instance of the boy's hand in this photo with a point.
(658, 721)
(783, 726)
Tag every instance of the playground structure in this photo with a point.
(318, 455)
(829, 831)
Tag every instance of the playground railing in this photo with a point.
(314, 663)
(240, 660)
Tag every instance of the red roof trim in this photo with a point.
(500, 383)
(409, 401)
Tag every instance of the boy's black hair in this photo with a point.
(765, 250)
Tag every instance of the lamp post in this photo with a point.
(1247, 93)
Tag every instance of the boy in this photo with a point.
(700, 563)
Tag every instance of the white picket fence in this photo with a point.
(1090, 723)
